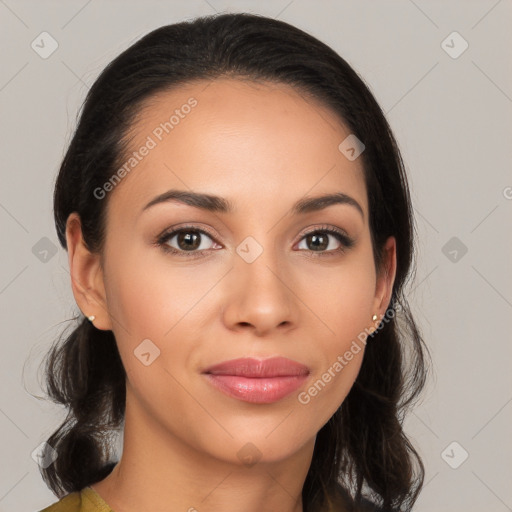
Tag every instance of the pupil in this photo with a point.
(188, 238)
(315, 240)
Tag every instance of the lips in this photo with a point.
(257, 381)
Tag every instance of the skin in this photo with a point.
(263, 147)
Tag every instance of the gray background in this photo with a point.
(452, 118)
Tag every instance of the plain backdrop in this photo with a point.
(441, 71)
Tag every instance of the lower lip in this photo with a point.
(263, 390)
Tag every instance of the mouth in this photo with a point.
(257, 381)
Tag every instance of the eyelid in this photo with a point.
(325, 228)
(192, 227)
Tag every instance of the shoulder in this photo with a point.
(86, 500)
(70, 503)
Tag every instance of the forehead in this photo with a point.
(255, 143)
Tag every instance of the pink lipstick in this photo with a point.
(260, 381)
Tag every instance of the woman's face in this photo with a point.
(264, 279)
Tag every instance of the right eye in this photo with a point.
(188, 239)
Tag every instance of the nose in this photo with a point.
(260, 297)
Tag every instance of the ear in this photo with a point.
(86, 275)
(385, 278)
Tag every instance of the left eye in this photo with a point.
(320, 240)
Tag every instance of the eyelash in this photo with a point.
(346, 242)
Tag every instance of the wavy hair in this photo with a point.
(362, 453)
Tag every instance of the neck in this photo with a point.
(158, 471)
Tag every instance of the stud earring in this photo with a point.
(373, 329)
(91, 318)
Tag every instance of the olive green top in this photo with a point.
(86, 500)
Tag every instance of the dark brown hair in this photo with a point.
(362, 451)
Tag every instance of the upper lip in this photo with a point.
(257, 368)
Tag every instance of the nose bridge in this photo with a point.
(259, 264)
(261, 291)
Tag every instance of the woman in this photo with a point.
(239, 231)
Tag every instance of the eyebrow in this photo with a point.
(218, 204)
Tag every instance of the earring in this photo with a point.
(91, 318)
(373, 329)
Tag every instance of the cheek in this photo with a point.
(149, 294)
(148, 306)
(341, 297)
(162, 302)
(351, 318)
